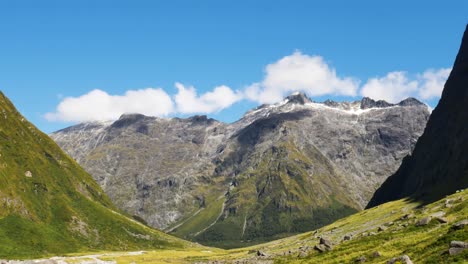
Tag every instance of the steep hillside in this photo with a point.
(50, 205)
(439, 163)
(283, 168)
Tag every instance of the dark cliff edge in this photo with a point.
(439, 163)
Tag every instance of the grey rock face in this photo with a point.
(167, 171)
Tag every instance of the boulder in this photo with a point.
(461, 224)
(442, 220)
(322, 248)
(376, 254)
(261, 253)
(455, 251)
(403, 259)
(326, 242)
(382, 228)
(361, 259)
(458, 244)
(424, 221)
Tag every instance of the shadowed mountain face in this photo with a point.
(439, 163)
(282, 168)
(50, 205)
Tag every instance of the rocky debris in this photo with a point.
(407, 216)
(460, 225)
(324, 245)
(382, 228)
(376, 254)
(424, 221)
(321, 248)
(442, 220)
(325, 241)
(455, 251)
(403, 259)
(438, 214)
(261, 254)
(361, 259)
(28, 174)
(457, 247)
(459, 244)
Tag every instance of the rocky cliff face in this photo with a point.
(281, 168)
(439, 163)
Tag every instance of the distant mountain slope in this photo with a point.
(282, 168)
(50, 205)
(439, 163)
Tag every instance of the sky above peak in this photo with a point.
(63, 62)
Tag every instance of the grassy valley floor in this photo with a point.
(392, 229)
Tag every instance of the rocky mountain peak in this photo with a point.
(127, 120)
(410, 101)
(298, 98)
(367, 102)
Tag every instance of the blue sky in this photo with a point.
(241, 53)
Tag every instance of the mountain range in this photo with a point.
(283, 168)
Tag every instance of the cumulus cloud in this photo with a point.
(295, 72)
(433, 83)
(396, 86)
(98, 105)
(300, 72)
(188, 102)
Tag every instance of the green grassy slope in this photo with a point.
(423, 244)
(50, 205)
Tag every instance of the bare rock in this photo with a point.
(461, 224)
(424, 221)
(407, 216)
(458, 244)
(326, 242)
(442, 220)
(382, 228)
(28, 174)
(361, 259)
(403, 259)
(455, 251)
(322, 248)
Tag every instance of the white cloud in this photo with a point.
(98, 105)
(396, 86)
(188, 102)
(300, 72)
(433, 83)
(295, 72)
